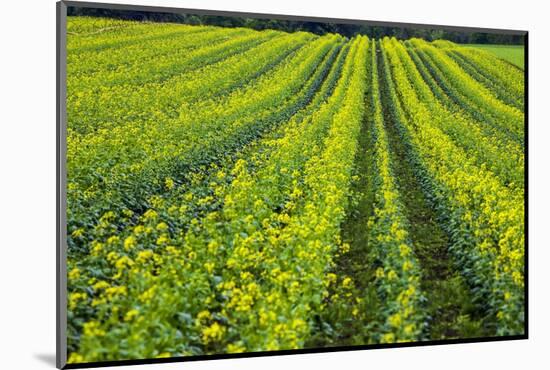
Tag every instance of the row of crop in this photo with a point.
(303, 237)
(86, 63)
(479, 141)
(90, 110)
(151, 147)
(88, 26)
(497, 69)
(398, 274)
(203, 253)
(279, 236)
(255, 154)
(491, 82)
(453, 97)
(238, 262)
(220, 45)
(90, 35)
(495, 73)
(191, 186)
(483, 218)
(475, 95)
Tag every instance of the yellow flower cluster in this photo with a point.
(213, 332)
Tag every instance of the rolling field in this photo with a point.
(511, 53)
(236, 190)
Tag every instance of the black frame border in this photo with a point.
(61, 233)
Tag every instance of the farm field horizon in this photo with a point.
(233, 190)
(511, 53)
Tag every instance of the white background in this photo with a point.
(27, 183)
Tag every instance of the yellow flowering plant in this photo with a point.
(210, 184)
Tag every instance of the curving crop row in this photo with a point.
(484, 145)
(91, 26)
(507, 78)
(91, 35)
(492, 83)
(454, 98)
(198, 185)
(495, 68)
(160, 69)
(483, 218)
(121, 104)
(473, 93)
(201, 254)
(141, 168)
(123, 59)
(213, 180)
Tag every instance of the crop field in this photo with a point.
(233, 190)
(511, 53)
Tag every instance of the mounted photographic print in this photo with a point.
(234, 184)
